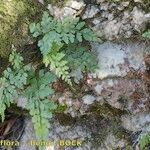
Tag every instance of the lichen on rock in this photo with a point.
(15, 16)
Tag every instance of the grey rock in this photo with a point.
(98, 88)
(77, 74)
(112, 142)
(117, 59)
(88, 99)
(69, 12)
(138, 18)
(71, 9)
(28, 135)
(77, 5)
(100, 1)
(125, 4)
(136, 122)
(139, 1)
(41, 1)
(110, 56)
(90, 12)
(22, 102)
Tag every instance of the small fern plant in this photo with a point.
(21, 80)
(12, 82)
(39, 105)
(144, 140)
(78, 57)
(146, 34)
(55, 35)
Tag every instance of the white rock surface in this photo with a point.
(27, 136)
(90, 12)
(118, 59)
(88, 99)
(136, 122)
(110, 55)
(77, 5)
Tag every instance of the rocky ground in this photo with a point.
(112, 107)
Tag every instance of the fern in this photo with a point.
(146, 34)
(58, 65)
(56, 34)
(19, 79)
(14, 78)
(144, 141)
(56, 31)
(16, 59)
(39, 105)
(79, 57)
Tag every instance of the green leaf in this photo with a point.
(80, 25)
(35, 29)
(146, 34)
(79, 37)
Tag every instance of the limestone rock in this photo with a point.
(27, 136)
(71, 8)
(118, 59)
(136, 122)
(88, 99)
(124, 25)
(77, 5)
(90, 12)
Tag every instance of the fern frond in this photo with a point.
(39, 106)
(81, 58)
(144, 140)
(58, 65)
(61, 32)
(14, 78)
(146, 34)
(15, 59)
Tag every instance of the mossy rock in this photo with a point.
(58, 3)
(15, 16)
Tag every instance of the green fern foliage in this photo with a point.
(144, 141)
(58, 65)
(14, 78)
(57, 31)
(146, 34)
(19, 80)
(79, 57)
(39, 105)
(55, 36)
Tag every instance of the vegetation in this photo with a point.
(14, 78)
(15, 16)
(62, 50)
(21, 80)
(56, 39)
(144, 141)
(147, 34)
(39, 104)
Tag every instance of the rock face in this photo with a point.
(27, 136)
(111, 20)
(111, 108)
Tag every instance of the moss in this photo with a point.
(15, 15)
(107, 111)
(58, 3)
